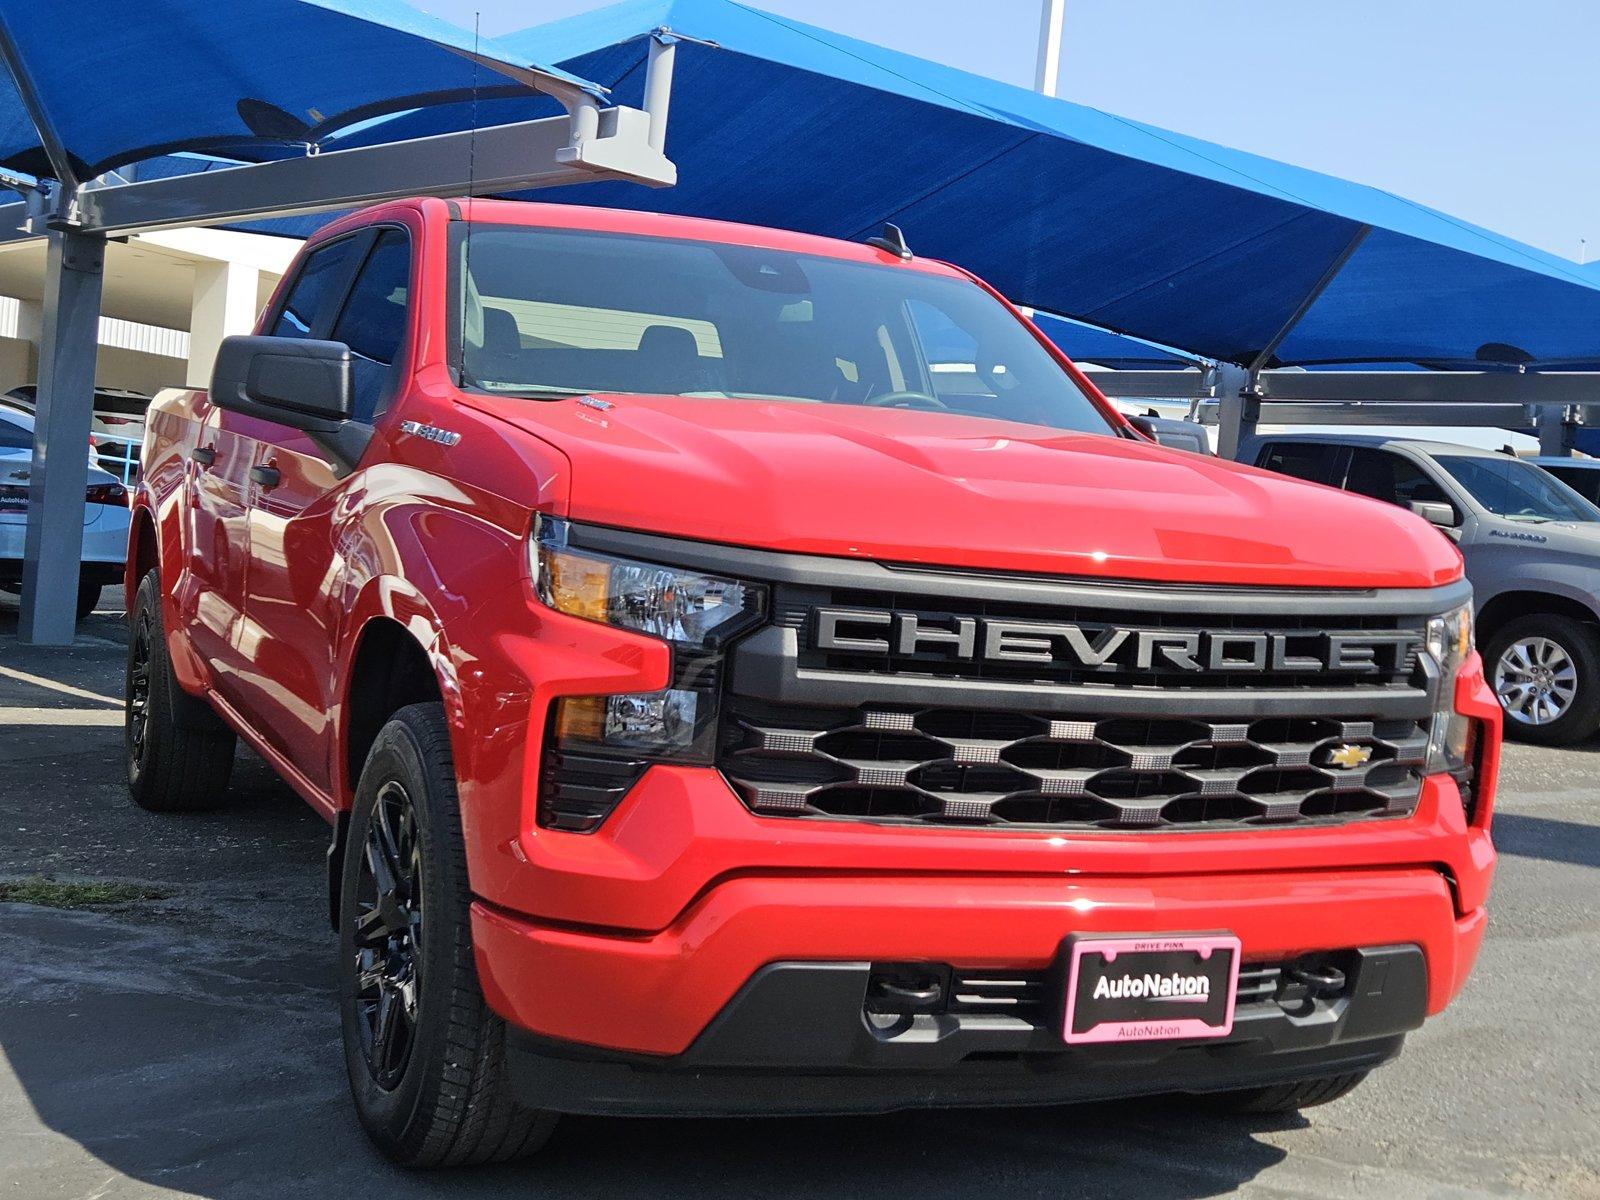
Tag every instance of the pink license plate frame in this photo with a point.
(1177, 1027)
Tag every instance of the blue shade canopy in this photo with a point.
(1061, 206)
(122, 80)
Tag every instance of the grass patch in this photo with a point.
(51, 893)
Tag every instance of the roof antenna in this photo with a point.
(472, 180)
(891, 240)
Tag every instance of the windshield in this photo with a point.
(557, 312)
(1520, 491)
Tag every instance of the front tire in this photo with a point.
(425, 1056)
(1545, 671)
(179, 753)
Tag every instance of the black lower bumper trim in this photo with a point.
(796, 1039)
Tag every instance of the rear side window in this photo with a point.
(373, 322)
(1311, 461)
(319, 283)
(1584, 481)
(1385, 476)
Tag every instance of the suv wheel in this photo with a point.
(425, 1056)
(1545, 671)
(179, 753)
(1286, 1097)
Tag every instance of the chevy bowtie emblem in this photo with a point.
(1348, 756)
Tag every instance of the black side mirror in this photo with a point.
(1439, 515)
(297, 382)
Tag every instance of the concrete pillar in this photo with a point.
(69, 342)
(224, 305)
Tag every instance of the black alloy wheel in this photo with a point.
(138, 688)
(388, 936)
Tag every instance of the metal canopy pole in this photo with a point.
(1238, 406)
(75, 264)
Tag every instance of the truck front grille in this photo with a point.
(1002, 768)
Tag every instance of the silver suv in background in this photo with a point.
(1532, 550)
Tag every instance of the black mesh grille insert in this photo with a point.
(962, 767)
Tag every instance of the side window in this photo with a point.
(1311, 461)
(1585, 482)
(373, 322)
(1391, 478)
(323, 273)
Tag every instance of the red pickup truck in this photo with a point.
(750, 672)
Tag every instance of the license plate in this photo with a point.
(1146, 989)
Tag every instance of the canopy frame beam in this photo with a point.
(1265, 355)
(49, 139)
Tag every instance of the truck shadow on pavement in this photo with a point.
(190, 1045)
(1545, 837)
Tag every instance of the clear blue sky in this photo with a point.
(1487, 110)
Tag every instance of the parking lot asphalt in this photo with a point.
(186, 1043)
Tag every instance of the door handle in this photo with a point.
(267, 477)
(203, 455)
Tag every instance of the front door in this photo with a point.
(294, 605)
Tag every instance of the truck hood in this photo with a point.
(931, 488)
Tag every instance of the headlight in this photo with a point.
(1449, 642)
(598, 747)
(685, 608)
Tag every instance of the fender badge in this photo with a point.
(431, 433)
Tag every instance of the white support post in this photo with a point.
(224, 304)
(1052, 22)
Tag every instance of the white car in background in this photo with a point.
(116, 431)
(105, 516)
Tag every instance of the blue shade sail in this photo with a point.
(1063, 207)
(122, 80)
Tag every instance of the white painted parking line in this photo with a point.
(59, 716)
(51, 685)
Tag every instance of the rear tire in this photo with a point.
(88, 598)
(425, 1056)
(179, 753)
(1285, 1097)
(1540, 642)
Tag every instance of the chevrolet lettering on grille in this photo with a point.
(1107, 648)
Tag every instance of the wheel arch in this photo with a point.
(144, 552)
(1508, 605)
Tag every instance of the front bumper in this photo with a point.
(795, 1039)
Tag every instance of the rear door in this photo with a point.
(296, 569)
